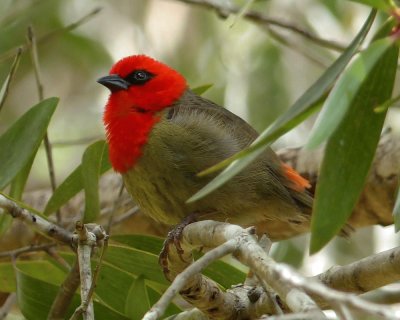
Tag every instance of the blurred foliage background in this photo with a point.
(257, 72)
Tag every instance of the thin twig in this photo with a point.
(10, 77)
(285, 42)
(181, 279)
(15, 253)
(65, 294)
(97, 269)
(52, 252)
(7, 305)
(86, 242)
(293, 316)
(125, 216)
(76, 142)
(40, 224)
(224, 10)
(10, 53)
(49, 154)
(115, 206)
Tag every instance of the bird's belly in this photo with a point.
(156, 196)
(160, 186)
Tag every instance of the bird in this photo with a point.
(161, 135)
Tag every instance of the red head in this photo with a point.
(140, 88)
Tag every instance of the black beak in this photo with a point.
(114, 82)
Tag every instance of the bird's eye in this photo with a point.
(139, 77)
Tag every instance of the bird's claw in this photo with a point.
(174, 237)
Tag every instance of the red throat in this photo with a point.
(131, 114)
(126, 135)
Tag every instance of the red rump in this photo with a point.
(298, 182)
(130, 114)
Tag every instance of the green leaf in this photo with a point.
(6, 85)
(115, 280)
(385, 5)
(7, 277)
(19, 182)
(41, 270)
(201, 89)
(221, 272)
(136, 262)
(224, 274)
(396, 212)
(23, 138)
(350, 150)
(37, 284)
(35, 297)
(141, 242)
(301, 109)
(91, 171)
(137, 302)
(345, 91)
(72, 185)
(387, 104)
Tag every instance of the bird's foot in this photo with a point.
(174, 237)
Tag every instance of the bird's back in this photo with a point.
(193, 135)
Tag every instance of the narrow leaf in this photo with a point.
(36, 295)
(396, 212)
(345, 91)
(137, 302)
(91, 171)
(6, 85)
(72, 185)
(16, 191)
(301, 109)
(350, 151)
(22, 139)
(136, 262)
(387, 104)
(221, 272)
(19, 182)
(201, 89)
(385, 5)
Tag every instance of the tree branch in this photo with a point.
(65, 294)
(38, 223)
(224, 9)
(286, 282)
(364, 275)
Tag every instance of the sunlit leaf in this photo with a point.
(92, 160)
(301, 109)
(72, 185)
(345, 91)
(350, 151)
(137, 302)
